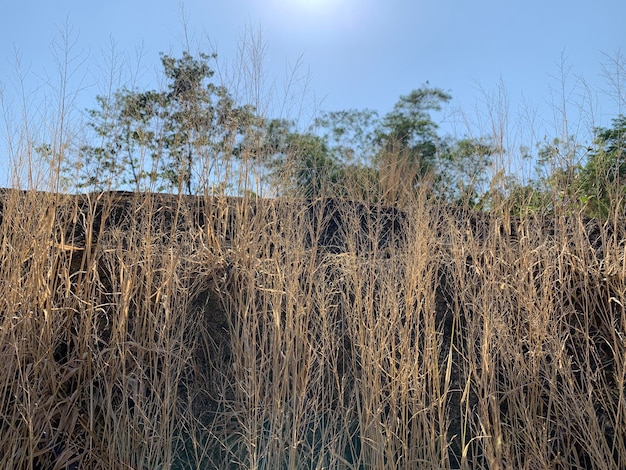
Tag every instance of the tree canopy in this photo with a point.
(165, 140)
(173, 140)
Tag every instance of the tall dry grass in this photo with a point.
(463, 341)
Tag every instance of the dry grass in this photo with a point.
(155, 342)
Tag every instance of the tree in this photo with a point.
(461, 171)
(587, 179)
(350, 134)
(357, 153)
(164, 140)
(300, 163)
(409, 124)
(124, 128)
(603, 178)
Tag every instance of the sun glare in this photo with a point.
(315, 5)
(317, 15)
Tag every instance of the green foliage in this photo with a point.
(299, 162)
(603, 178)
(170, 140)
(360, 150)
(351, 134)
(586, 179)
(409, 126)
(123, 127)
(461, 171)
(164, 140)
(313, 166)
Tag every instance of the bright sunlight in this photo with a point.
(316, 5)
(318, 15)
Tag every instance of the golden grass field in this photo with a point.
(142, 331)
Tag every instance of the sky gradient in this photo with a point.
(530, 56)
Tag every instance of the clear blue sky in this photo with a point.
(357, 53)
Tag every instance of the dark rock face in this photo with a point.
(86, 217)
